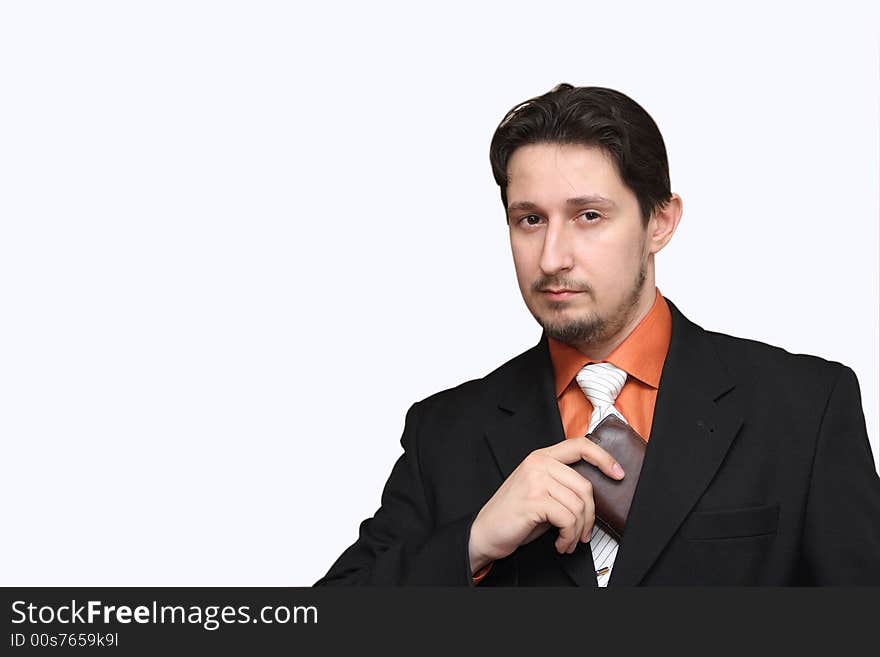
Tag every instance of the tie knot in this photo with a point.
(601, 383)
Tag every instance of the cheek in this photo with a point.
(609, 270)
(524, 277)
(604, 267)
(524, 264)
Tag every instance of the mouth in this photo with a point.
(559, 294)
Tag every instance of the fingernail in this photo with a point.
(616, 469)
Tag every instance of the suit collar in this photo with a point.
(692, 430)
(527, 418)
(695, 422)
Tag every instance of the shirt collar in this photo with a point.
(640, 355)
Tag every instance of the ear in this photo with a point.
(663, 223)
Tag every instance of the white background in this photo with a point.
(239, 239)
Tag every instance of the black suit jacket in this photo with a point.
(758, 471)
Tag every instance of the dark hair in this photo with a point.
(592, 116)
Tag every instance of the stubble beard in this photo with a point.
(592, 329)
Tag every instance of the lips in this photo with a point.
(557, 295)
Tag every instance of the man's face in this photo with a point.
(575, 225)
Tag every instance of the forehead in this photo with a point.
(547, 173)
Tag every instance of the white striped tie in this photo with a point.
(601, 383)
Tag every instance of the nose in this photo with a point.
(556, 254)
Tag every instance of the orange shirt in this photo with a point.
(641, 355)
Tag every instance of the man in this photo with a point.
(757, 471)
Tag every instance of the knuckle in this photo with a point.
(535, 460)
(586, 491)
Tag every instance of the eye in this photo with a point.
(530, 216)
(595, 216)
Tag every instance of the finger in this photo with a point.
(571, 450)
(559, 515)
(583, 488)
(575, 505)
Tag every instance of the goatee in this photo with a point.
(593, 329)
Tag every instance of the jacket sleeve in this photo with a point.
(401, 544)
(841, 543)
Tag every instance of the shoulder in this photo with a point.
(477, 393)
(748, 353)
(764, 370)
(770, 366)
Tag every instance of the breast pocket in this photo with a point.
(731, 523)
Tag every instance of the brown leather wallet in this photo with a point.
(613, 497)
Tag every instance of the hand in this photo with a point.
(541, 492)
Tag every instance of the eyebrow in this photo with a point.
(590, 199)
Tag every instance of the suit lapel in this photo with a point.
(527, 418)
(692, 430)
(690, 434)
